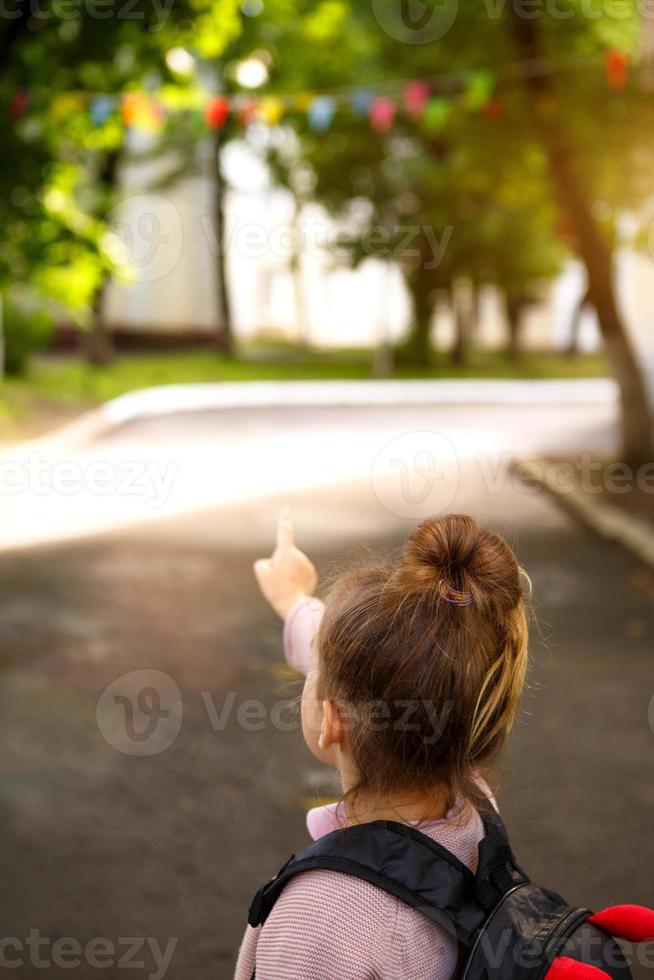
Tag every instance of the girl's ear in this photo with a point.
(332, 728)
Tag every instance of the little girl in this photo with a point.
(414, 671)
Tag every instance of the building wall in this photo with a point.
(322, 302)
(167, 238)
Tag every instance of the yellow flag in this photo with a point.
(65, 104)
(271, 109)
(303, 100)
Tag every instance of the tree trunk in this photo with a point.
(464, 306)
(636, 422)
(418, 347)
(295, 268)
(224, 338)
(459, 352)
(514, 308)
(97, 343)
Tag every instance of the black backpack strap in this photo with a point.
(498, 871)
(398, 859)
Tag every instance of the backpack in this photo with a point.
(507, 928)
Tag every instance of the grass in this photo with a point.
(59, 388)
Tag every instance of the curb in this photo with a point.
(174, 399)
(632, 533)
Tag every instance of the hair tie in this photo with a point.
(454, 596)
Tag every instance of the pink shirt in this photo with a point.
(329, 926)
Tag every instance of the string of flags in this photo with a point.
(421, 100)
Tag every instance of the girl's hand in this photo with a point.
(288, 575)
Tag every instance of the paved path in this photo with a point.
(148, 467)
(97, 843)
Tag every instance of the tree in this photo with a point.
(594, 249)
(428, 199)
(548, 72)
(63, 154)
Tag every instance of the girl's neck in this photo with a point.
(401, 807)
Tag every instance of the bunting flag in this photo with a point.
(64, 104)
(19, 104)
(480, 90)
(271, 110)
(216, 112)
(416, 95)
(382, 114)
(142, 112)
(302, 101)
(436, 114)
(102, 107)
(617, 69)
(321, 112)
(361, 101)
(428, 103)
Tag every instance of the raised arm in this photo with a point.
(288, 580)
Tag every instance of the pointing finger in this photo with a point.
(285, 535)
(261, 566)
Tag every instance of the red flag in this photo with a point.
(216, 112)
(19, 104)
(617, 68)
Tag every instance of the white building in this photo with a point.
(170, 240)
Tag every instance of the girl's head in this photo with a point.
(420, 664)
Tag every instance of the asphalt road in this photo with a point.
(153, 468)
(100, 847)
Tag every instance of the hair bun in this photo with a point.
(454, 553)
